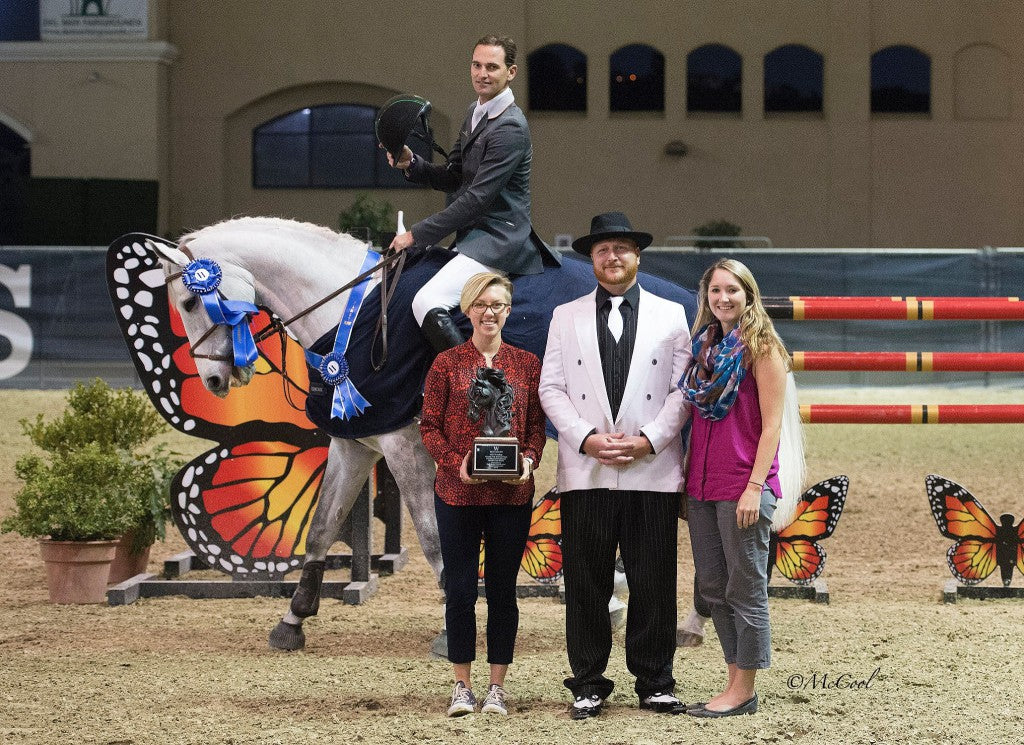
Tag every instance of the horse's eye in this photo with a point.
(190, 304)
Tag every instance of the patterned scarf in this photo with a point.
(712, 380)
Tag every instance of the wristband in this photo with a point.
(759, 486)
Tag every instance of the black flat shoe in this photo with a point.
(747, 707)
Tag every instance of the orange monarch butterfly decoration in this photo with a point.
(981, 544)
(795, 550)
(244, 505)
(542, 558)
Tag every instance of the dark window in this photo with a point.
(14, 176)
(328, 147)
(901, 81)
(713, 78)
(558, 79)
(793, 79)
(19, 20)
(637, 80)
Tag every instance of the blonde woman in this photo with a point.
(469, 509)
(735, 384)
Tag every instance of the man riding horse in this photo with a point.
(487, 178)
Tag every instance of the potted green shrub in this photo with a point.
(369, 217)
(93, 485)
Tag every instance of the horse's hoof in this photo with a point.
(288, 637)
(439, 647)
(306, 600)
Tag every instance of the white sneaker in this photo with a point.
(494, 701)
(463, 701)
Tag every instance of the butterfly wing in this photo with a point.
(246, 508)
(245, 505)
(542, 558)
(798, 555)
(1020, 546)
(799, 560)
(159, 350)
(959, 515)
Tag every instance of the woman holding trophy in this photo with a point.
(483, 424)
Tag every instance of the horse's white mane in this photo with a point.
(270, 224)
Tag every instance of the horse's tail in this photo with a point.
(791, 457)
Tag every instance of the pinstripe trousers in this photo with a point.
(642, 525)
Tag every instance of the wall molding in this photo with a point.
(161, 52)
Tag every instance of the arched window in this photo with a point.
(901, 81)
(557, 78)
(713, 79)
(637, 79)
(14, 175)
(793, 79)
(332, 146)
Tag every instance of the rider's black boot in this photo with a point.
(440, 330)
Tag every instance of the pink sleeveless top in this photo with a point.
(722, 453)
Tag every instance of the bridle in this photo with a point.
(391, 270)
(213, 327)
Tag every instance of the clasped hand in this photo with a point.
(616, 448)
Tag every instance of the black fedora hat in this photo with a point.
(610, 225)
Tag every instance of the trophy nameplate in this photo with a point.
(495, 458)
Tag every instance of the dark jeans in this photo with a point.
(504, 529)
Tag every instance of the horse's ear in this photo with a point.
(173, 255)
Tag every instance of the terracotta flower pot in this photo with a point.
(126, 564)
(77, 572)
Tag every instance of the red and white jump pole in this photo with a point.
(826, 308)
(810, 308)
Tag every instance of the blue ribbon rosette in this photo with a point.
(202, 277)
(348, 403)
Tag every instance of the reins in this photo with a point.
(388, 285)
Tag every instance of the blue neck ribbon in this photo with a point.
(202, 277)
(333, 367)
(233, 313)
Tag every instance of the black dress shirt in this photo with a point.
(616, 355)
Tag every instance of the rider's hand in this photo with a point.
(402, 242)
(404, 160)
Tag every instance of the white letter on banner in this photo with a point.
(13, 327)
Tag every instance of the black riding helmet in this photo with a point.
(399, 118)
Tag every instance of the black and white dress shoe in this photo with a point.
(747, 707)
(663, 703)
(585, 707)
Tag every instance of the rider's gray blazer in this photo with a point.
(487, 177)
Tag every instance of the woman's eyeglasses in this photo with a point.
(480, 307)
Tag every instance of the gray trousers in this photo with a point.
(732, 577)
